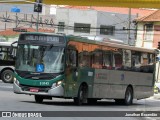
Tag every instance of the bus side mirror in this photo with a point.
(13, 50)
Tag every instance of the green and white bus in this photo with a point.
(82, 69)
(7, 62)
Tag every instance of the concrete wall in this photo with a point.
(71, 16)
(140, 32)
(120, 21)
(96, 18)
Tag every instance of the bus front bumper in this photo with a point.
(55, 92)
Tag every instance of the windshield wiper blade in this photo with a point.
(48, 48)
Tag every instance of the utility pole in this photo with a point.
(129, 26)
(37, 24)
(16, 21)
(16, 10)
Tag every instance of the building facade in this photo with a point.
(148, 30)
(95, 23)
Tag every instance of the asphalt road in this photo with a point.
(10, 101)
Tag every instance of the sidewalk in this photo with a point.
(156, 96)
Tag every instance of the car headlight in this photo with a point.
(57, 84)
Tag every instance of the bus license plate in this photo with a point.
(34, 90)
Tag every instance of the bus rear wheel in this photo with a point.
(82, 95)
(128, 100)
(38, 98)
(7, 76)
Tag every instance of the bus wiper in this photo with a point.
(49, 48)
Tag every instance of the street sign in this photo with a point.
(15, 9)
(19, 30)
(38, 6)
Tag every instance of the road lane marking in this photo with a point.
(6, 86)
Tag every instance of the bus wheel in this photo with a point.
(7, 76)
(38, 98)
(82, 95)
(128, 100)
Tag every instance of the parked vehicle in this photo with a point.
(7, 62)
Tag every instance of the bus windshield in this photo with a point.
(51, 58)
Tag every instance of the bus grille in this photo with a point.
(40, 89)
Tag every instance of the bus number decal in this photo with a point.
(44, 83)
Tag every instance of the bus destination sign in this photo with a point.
(43, 38)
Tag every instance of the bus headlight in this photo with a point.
(16, 81)
(56, 84)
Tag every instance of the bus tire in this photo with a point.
(128, 100)
(38, 98)
(82, 95)
(7, 76)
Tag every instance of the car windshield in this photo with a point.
(46, 59)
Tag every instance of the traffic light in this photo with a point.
(38, 6)
(158, 45)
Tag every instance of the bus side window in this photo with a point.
(136, 61)
(107, 60)
(145, 59)
(147, 63)
(71, 58)
(126, 59)
(84, 59)
(118, 60)
(151, 59)
(97, 60)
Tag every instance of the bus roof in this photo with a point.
(8, 44)
(44, 33)
(99, 40)
(111, 44)
(5, 43)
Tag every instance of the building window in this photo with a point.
(61, 27)
(83, 28)
(107, 30)
(148, 31)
